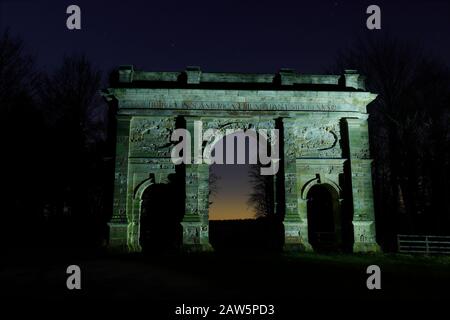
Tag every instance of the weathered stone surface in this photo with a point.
(325, 142)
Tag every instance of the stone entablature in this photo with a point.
(241, 100)
(286, 77)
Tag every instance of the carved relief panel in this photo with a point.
(318, 137)
(150, 136)
(222, 124)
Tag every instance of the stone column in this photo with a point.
(118, 224)
(295, 237)
(195, 221)
(134, 226)
(361, 182)
(303, 212)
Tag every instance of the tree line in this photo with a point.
(409, 133)
(57, 149)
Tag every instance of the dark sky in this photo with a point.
(246, 36)
(243, 36)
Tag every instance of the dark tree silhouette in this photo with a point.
(410, 134)
(18, 76)
(261, 197)
(75, 117)
(213, 186)
(21, 128)
(71, 100)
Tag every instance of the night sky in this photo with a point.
(242, 36)
(234, 184)
(245, 36)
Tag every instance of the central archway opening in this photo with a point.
(241, 211)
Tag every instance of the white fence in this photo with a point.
(423, 244)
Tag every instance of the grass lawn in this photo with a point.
(293, 283)
(218, 278)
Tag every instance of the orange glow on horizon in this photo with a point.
(230, 209)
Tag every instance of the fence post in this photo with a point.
(398, 243)
(426, 245)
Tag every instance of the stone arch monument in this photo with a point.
(322, 120)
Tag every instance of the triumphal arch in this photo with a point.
(322, 120)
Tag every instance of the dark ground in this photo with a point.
(286, 280)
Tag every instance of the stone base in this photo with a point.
(295, 237)
(117, 241)
(364, 234)
(297, 247)
(372, 247)
(195, 237)
(192, 248)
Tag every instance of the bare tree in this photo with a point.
(18, 76)
(22, 129)
(409, 132)
(261, 197)
(70, 97)
(73, 110)
(213, 186)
